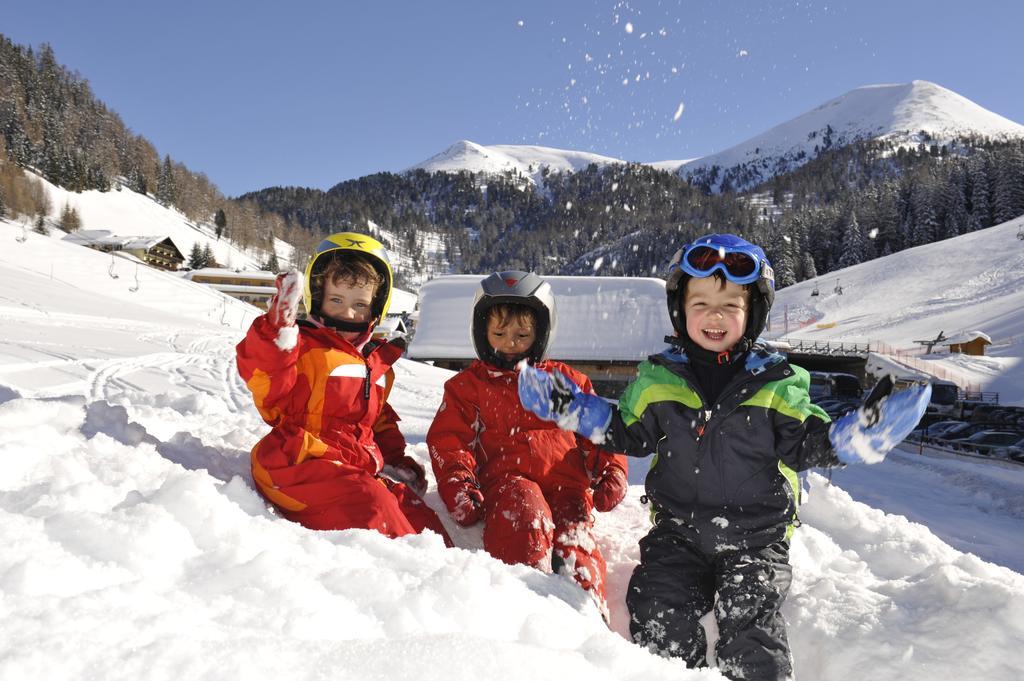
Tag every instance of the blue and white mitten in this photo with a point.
(885, 419)
(554, 397)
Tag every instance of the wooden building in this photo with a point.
(969, 343)
(255, 287)
(156, 251)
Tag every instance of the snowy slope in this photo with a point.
(901, 112)
(499, 158)
(970, 282)
(127, 213)
(136, 548)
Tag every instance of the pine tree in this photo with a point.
(166, 191)
(925, 223)
(808, 269)
(271, 265)
(954, 201)
(69, 220)
(220, 221)
(208, 259)
(196, 260)
(784, 264)
(853, 248)
(979, 194)
(1009, 189)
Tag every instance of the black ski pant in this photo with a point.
(675, 585)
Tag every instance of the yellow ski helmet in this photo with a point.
(369, 247)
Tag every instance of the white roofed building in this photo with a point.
(605, 326)
(155, 251)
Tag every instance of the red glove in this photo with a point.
(610, 489)
(468, 506)
(409, 471)
(284, 306)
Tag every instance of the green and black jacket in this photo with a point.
(725, 472)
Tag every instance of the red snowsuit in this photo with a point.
(333, 431)
(535, 478)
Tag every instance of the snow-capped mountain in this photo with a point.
(909, 113)
(499, 158)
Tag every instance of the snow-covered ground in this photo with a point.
(136, 548)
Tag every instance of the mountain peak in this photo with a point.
(912, 112)
(527, 160)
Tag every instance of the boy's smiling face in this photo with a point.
(716, 315)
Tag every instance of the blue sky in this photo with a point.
(258, 94)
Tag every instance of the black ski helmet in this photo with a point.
(513, 287)
(760, 281)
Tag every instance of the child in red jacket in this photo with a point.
(324, 390)
(529, 481)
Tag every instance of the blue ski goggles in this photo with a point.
(739, 265)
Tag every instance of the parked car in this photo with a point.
(961, 429)
(957, 434)
(1014, 452)
(834, 384)
(939, 429)
(985, 441)
(837, 406)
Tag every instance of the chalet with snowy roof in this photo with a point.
(255, 287)
(605, 326)
(969, 343)
(156, 251)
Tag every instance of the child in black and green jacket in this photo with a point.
(730, 423)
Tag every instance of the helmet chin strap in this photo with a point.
(347, 326)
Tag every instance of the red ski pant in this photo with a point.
(362, 501)
(523, 524)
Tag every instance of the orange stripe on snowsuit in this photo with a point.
(262, 479)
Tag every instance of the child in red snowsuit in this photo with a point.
(323, 387)
(529, 481)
